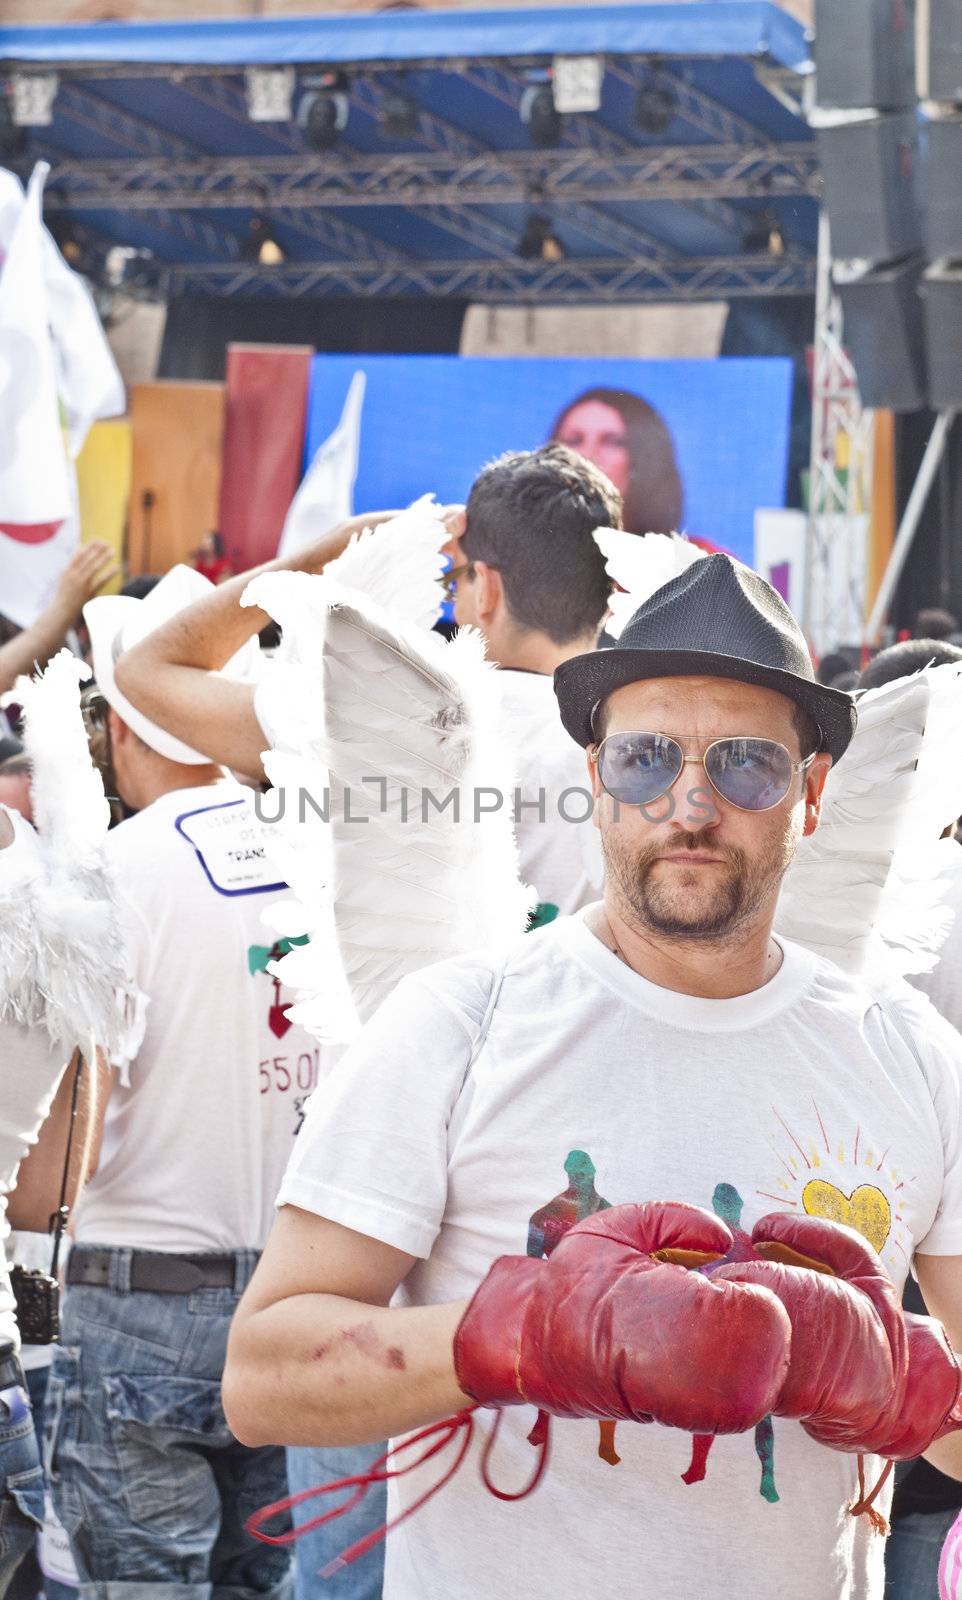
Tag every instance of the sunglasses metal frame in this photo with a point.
(594, 755)
(449, 580)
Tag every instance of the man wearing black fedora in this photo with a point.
(628, 1093)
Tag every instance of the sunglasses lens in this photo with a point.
(637, 768)
(753, 774)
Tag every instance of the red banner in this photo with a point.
(263, 446)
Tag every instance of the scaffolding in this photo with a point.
(840, 477)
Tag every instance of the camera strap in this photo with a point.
(61, 1216)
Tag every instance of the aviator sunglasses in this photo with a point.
(751, 774)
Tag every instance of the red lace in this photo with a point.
(439, 1435)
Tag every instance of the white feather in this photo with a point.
(62, 961)
(866, 889)
(640, 564)
(383, 715)
(398, 563)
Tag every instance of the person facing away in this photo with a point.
(526, 572)
(666, 1042)
(148, 1481)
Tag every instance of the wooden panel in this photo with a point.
(178, 433)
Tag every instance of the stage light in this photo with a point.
(270, 93)
(576, 83)
(540, 115)
(126, 266)
(259, 246)
(32, 98)
(400, 116)
(323, 114)
(655, 108)
(539, 242)
(763, 235)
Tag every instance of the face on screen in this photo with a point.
(597, 432)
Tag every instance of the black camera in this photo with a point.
(38, 1305)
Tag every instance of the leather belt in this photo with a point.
(11, 1372)
(152, 1271)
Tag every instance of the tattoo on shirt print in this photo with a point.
(283, 1074)
(806, 1186)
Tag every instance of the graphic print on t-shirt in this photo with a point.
(842, 1176)
(865, 1208)
(546, 1228)
(259, 957)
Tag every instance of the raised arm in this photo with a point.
(316, 1356)
(170, 675)
(84, 575)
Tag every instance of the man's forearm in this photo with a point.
(946, 1454)
(33, 647)
(321, 1370)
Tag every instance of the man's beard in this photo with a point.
(739, 891)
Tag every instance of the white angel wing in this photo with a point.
(61, 957)
(866, 889)
(398, 563)
(396, 736)
(640, 564)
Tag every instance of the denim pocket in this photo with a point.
(161, 1429)
(25, 1489)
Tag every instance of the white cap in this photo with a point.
(118, 621)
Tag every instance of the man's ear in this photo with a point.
(814, 785)
(119, 731)
(488, 591)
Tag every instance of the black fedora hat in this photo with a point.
(717, 619)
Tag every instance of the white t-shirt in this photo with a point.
(30, 1067)
(448, 1126)
(559, 847)
(196, 1141)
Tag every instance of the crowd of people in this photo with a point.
(649, 1163)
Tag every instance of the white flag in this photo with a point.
(326, 494)
(34, 482)
(88, 379)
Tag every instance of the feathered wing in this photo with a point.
(396, 734)
(62, 963)
(398, 563)
(866, 889)
(640, 564)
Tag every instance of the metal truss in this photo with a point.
(840, 483)
(349, 179)
(602, 281)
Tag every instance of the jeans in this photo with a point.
(147, 1479)
(364, 1578)
(21, 1482)
(912, 1555)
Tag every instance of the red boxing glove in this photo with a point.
(604, 1328)
(930, 1408)
(849, 1372)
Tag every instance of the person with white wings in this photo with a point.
(655, 1084)
(146, 1478)
(62, 994)
(526, 572)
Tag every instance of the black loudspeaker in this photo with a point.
(869, 167)
(942, 305)
(884, 333)
(865, 54)
(945, 49)
(943, 188)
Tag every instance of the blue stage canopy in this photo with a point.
(696, 177)
(708, 28)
